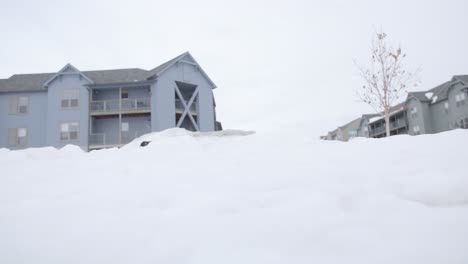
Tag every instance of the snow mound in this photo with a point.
(277, 197)
(182, 133)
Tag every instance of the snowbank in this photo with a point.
(282, 197)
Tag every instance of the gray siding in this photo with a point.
(439, 117)
(426, 116)
(418, 120)
(363, 128)
(456, 113)
(33, 121)
(163, 97)
(56, 115)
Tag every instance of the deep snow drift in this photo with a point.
(281, 197)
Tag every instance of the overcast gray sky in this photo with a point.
(275, 62)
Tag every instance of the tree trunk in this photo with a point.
(387, 124)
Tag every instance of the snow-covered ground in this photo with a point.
(269, 197)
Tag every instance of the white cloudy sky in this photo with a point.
(275, 62)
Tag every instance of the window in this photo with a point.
(460, 99)
(416, 130)
(124, 94)
(414, 112)
(19, 105)
(463, 123)
(70, 99)
(125, 126)
(446, 107)
(69, 131)
(17, 137)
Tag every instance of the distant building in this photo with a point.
(104, 108)
(442, 108)
(398, 123)
(355, 128)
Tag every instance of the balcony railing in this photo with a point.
(398, 124)
(376, 131)
(124, 105)
(393, 125)
(101, 139)
(98, 139)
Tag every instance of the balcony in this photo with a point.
(102, 140)
(395, 126)
(124, 106)
(399, 123)
(180, 107)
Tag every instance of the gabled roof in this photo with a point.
(37, 81)
(66, 69)
(184, 57)
(353, 125)
(438, 93)
(161, 68)
(462, 78)
(24, 82)
(117, 76)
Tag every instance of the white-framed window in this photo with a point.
(70, 99)
(69, 131)
(416, 130)
(460, 99)
(19, 105)
(17, 137)
(414, 112)
(125, 126)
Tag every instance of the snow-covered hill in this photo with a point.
(278, 197)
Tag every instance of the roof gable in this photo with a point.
(462, 78)
(67, 69)
(439, 93)
(185, 57)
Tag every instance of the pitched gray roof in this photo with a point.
(117, 76)
(353, 125)
(24, 82)
(35, 82)
(463, 78)
(162, 67)
(439, 93)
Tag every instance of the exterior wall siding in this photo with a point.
(426, 116)
(163, 97)
(57, 115)
(415, 121)
(457, 113)
(33, 121)
(439, 117)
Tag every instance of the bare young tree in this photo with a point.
(385, 79)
